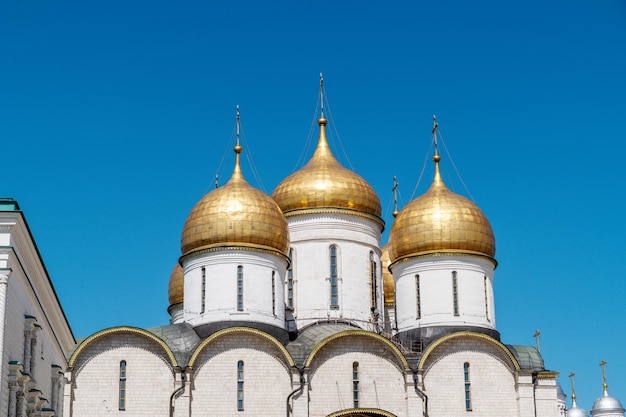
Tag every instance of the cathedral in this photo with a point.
(289, 305)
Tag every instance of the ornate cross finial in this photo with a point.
(536, 336)
(571, 377)
(237, 124)
(395, 196)
(322, 94)
(604, 385)
(435, 125)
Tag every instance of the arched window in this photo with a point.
(274, 292)
(334, 299)
(418, 299)
(455, 294)
(203, 291)
(355, 384)
(373, 288)
(486, 297)
(240, 385)
(290, 281)
(122, 386)
(240, 288)
(468, 396)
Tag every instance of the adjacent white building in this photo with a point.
(35, 334)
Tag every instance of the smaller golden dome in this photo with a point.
(324, 182)
(388, 284)
(440, 221)
(236, 214)
(176, 289)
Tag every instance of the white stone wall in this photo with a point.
(267, 378)
(436, 292)
(381, 378)
(221, 287)
(492, 381)
(29, 292)
(96, 375)
(355, 237)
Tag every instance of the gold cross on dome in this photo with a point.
(602, 365)
(536, 336)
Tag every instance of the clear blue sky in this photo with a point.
(115, 117)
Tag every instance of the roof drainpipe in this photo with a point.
(183, 379)
(420, 393)
(296, 391)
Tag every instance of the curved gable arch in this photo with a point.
(394, 349)
(241, 330)
(467, 334)
(362, 412)
(119, 330)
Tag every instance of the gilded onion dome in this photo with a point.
(324, 183)
(388, 284)
(440, 221)
(235, 214)
(175, 290)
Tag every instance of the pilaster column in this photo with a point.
(67, 394)
(4, 283)
(300, 401)
(13, 388)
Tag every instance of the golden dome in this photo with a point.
(324, 183)
(175, 290)
(440, 221)
(236, 214)
(388, 284)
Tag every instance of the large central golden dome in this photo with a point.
(324, 183)
(236, 214)
(440, 221)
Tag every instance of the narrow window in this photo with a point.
(33, 355)
(334, 300)
(395, 309)
(418, 299)
(373, 280)
(240, 386)
(486, 297)
(274, 292)
(290, 280)
(122, 402)
(203, 291)
(468, 397)
(240, 288)
(455, 294)
(355, 384)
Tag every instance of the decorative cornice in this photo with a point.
(245, 330)
(363, 333)
(233, 247)
(6, 227)
(476, 335)
(335, 210)
(121, 329)
(547, 374)
(440, 253)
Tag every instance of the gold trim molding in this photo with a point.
(356, 412)
(121, 329)
(469, 334)
(245, 330)
(364, 333)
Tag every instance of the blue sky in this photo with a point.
(115, 117)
